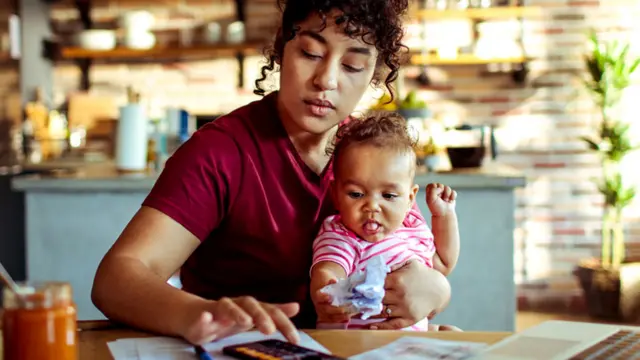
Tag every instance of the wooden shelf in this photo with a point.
(465, 59)
(480, 13)
(162, 52)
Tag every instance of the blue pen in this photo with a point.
(202, 353)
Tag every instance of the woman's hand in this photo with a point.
(413, 292)
(228, 316)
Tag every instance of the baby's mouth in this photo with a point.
(371, 227)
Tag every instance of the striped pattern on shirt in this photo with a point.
(338, 244)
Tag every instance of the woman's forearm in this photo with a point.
(447, 240)
(127, 291)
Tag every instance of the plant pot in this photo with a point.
(432, 162)
(414, 113)
(466, 157)
(610, 294)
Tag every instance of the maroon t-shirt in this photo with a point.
(239, 185)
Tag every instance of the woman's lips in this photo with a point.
(319, 111)
(319, 108)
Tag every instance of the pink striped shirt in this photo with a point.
(338, 244)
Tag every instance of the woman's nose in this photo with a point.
(326, 77)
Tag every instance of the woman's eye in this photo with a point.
(353, 69)
(355, 195)
(390, 196)
(310, 55)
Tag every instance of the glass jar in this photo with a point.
(40, 322)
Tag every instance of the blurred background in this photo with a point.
(530, 104)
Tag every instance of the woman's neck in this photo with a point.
(308, 143)
(304, 141)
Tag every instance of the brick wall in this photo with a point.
(558, 213)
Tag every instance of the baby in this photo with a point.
(374, 192)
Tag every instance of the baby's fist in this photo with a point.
(441, 199)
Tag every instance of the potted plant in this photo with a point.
(432, 154)
(385, 103)
(608, 282)
(412, 107)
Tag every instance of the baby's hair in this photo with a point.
(380, 129)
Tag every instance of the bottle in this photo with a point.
(40, 322)
(132, 136)
(35, 127)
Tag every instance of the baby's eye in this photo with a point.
(355, 195)
(390, 196)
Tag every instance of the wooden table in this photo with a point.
(94, 336)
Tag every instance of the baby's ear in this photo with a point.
(413, 193)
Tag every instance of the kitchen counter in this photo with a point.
(74, 215)
(86, 178)
(104, 177)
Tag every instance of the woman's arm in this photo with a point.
(130, 284)
(131, 287)
(188, 201)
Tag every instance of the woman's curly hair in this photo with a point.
(377, 22)
(378, 128)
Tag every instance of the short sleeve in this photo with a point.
(420, 237)
(196, 186)
(416, 209)
(334, 246)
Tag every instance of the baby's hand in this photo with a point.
(328, 313)
(323, 274)
(441, 199)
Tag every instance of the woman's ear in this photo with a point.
(278, 46)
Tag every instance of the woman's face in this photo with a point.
(323, 75)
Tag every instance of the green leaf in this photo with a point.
(634, 65)
(625, 197)
(592, 144)
(609, 67)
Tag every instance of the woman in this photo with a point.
(238, 205)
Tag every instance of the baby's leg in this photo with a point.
(332, 326)
(436, 327)
(422, 325)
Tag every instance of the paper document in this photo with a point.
(167, 348)
(124, 349)
(411, 347)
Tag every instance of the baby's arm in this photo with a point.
(447, 242)
(440, 245)
(325, 273)
(333, 256)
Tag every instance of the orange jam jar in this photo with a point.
(40, 322)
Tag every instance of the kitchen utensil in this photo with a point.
(139, 40)
(8, 280)
(96, 39)
(137, 21)
(466, 145)
(423, 77)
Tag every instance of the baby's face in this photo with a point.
(374, 190)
